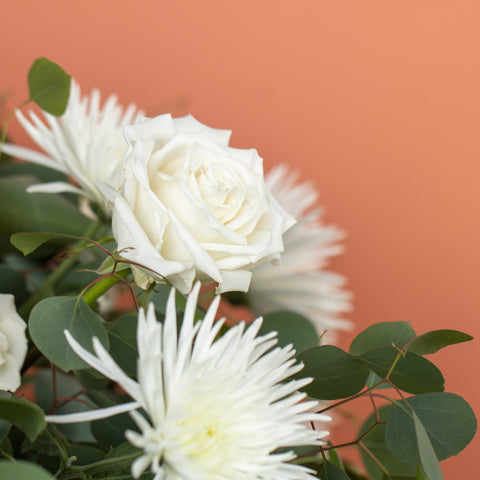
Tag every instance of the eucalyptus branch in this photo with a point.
(353, 397)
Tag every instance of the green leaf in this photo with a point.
(336, 374)
(431, 342)
(334, 457)
(123, 343)
(412, 373)
(28, 242)
(447, 418)
(91, 379)
(330, 471)
(50, 442)
(6, 448)
(428, 459)
(291, 328)
(25, 415)
(21, 470)
(110, 432)
(5, 426)
(401, 477)
(49, 86)
(36, 212)
(420, 474)
(375, 442)
(86, 453)
(52, 316)
(384, 334)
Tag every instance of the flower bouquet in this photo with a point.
(137, 254)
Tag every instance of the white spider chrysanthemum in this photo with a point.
(299, 282)
(86, 142)
(216, 408)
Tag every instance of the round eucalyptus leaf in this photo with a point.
(384, 334)
(431, 342)
(447, 418)
(24, 414)
(49, 86)
(292, 328)
(412, 373)
(336, 374)
(52, 316)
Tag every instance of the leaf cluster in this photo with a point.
(421, 425)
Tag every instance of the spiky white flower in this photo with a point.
(299, 282)
(216, 409)
(86, 142)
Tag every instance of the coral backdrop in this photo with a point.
(377, 102)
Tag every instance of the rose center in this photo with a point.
(220, 191)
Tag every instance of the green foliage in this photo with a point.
(447, 418)
(374, 441)
(49, 86)
(330, 471)
(110, 432)
(25, 415)
(52, 316)
(22, 470)
(5, 427)
(428, 459)
(292, 328)
(412, 373)
(431, 342)
(28, 242)
(36, 212)
(336, 374)
(123, 343)
(381, 335)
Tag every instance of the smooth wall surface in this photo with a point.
(377, 102)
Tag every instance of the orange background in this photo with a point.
(377, 101)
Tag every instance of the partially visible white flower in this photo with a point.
(86, 142)
(13, 344)
(298, 282)
(191, 208)
(216, 409)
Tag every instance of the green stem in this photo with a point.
(103, 466)
(65, 267)
(103, 285)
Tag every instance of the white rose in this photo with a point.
(13, 344)
(190, 207)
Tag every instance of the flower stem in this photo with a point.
(103, 285)
(103, 466)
